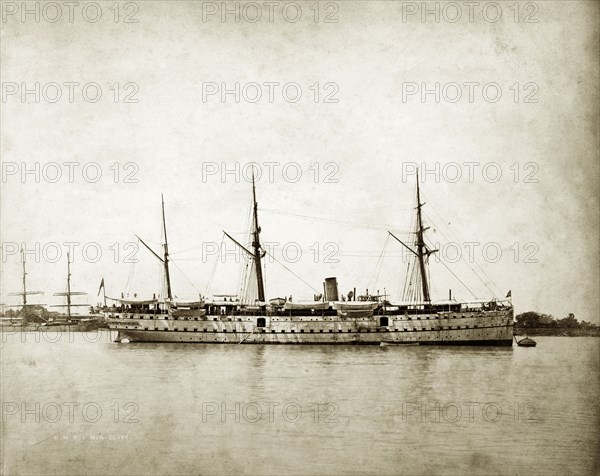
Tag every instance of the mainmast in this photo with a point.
(166, 252)
(257, 254)
(256, 246)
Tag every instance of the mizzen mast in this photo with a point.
(165, 258)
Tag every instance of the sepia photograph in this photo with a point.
(310, 237)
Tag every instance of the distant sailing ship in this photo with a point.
(25, 306)
(69, 302)
(366, 320)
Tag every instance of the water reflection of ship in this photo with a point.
(364, 319)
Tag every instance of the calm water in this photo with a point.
(105, 408)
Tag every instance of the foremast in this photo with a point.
(256, 245)
(422, 251)
(166, 252)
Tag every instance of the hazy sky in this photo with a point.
(361, 122)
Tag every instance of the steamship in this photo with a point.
(364, 319)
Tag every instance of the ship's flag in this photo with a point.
(508, 294)
(101, 287)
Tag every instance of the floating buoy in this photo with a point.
(526, 342)
(125, 341)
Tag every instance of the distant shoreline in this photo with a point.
(556, 331)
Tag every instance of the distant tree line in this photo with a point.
(533, 319)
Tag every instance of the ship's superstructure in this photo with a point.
(327, 320)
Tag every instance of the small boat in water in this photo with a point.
(526, 342)
(386, 342)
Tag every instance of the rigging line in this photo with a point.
(357, 254)
(451, 230)
(379, 265)
(462, 257)
(265, 275)
(186, 278)
(288, 269)
(376, 266)
(459, 280)
(331, 220)
(246, 267)
(214, 268)
(130, 276)
(161, 282)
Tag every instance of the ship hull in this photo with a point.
(477, 329)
